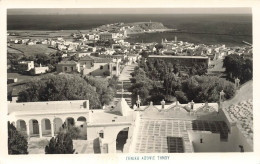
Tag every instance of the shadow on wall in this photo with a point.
(96, 146)
(99, 69)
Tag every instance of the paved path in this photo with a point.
(124, 77)
(83, 146)
(125, 74)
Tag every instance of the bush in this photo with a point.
(106, 73)
(74, 132)
(61, 144)
(17, 143)
(181, 97)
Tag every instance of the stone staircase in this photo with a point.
(126, 93)
(128, 100)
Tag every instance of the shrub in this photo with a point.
(61, 144)
(17, 143)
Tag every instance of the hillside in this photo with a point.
(136, 27)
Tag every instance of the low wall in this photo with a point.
(133, 137)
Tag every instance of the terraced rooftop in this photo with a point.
(242, 114)
(171, 136)
(240, 110)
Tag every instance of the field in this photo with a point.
(29, 50)
(20, 77)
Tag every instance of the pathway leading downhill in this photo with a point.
(125, 74)
(125, 78)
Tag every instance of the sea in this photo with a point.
(228, 29)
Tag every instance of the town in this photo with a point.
(154, 97)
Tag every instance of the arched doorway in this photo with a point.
(46, 127)
(81, 121)
(34, 127)
(70, 121)
(82, 124)
(21, 126)
(101, 134)
(121, 138)
(57, 124)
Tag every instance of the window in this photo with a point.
(47, 125)
(101, 134)
(241, 148)
(114, 68)
(101, 67)
(108, 66)
(72, 68)
(201, 141)
(65, 68)
(22, 125)
(175, 145)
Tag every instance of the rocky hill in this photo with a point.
(145, 27)
(135, 27)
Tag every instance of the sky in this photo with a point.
(63, 11)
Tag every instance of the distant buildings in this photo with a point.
(40, 70)
(91, 66)
(102, 67)
(68, 67)
(25, 65)
(105, 36)
(182, 60)
(29, 68)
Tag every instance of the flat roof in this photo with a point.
(103, 117)
(178, 57)
(52, 106)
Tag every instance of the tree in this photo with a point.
(106, 73)
(17, 143)
(43, 59)
(238, 67)
(141, 85)
(59, 88)
(112, 82)
(61, 144)
(144, 54)
(207, 88)
(158, 47)
(105, 91)
(181, 97)
(70, 129)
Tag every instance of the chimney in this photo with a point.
(14, 99)
(192, 105)
(206, 104)
(138, 102)
(162, 103)
(86, 104)
(221, 96)
(237, 85)
(151, 103)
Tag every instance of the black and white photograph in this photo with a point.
(129, 81)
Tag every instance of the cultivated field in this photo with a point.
(29, 50)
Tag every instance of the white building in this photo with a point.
(192, 127)
(40, 70)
